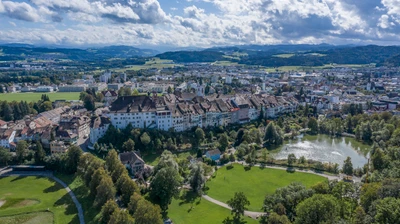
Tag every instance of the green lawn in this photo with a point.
(33, 97)
(256, 183)
(82, 194)
(35, 195)
(284, 55)
(191, 210)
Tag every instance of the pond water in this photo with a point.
(324, 148)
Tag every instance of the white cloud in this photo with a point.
(233, 22)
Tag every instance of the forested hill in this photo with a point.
(13, 52)
(193, 56)
(295, 56)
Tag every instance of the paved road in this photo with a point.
(251, 214)
(9, 172)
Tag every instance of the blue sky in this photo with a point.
(199, 23)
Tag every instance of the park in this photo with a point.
(254, 182)
(34, 200)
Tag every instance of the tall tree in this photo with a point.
(318, 209)
(107, 210)
(73, 155)
(5, 156)
(8, 113)
(95, 180)
(39, 153)
(238, 204)
(121, 217)
(147, 213)
(313, 126)
(126, 187)
(167, 159)
(105, 191)
(223, 142)
(196, 178)
(21, 151)
(129, 146)
(89, 103)
(145, 139)
(348, 166)
(199, 134)
(273, 134)
(291, 159)
(164, 186)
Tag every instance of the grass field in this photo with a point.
(33, 97)
(256, 183)
(194, 210)
(82, 194)
(284, 55)
(310, 68)
(29, 198)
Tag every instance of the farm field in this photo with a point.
(256, 183)
(33, 97)
(35, 200)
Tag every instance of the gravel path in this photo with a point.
(9, 172)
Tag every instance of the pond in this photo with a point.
(324, 148)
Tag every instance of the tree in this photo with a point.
(164, 186)
(167, 159)
(313, 126)
(386, 210)
(145, 139)
(291, 159)
(238, 204)
(107, 210)
(5, 156)
(223, 142)
(39, 153)
(378, 159)
(133, 202)
(289, 196)
(73, 155)
(199, 133)
(120, 217)
(274, 218)
(7, 112)
(105, 191)
(95, 180)
(126, 187)
(273, 134)
(21, 151)
(348, 167)
(147, 213)
(45, 106)
(196, 178)
(112, 160)
(89, 103)
(318, 209)
(169, 90)
(129, 146)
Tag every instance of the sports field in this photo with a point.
(35, 200)
(33, 97)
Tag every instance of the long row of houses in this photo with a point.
(185, 111)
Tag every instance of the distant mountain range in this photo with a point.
(263, 55)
